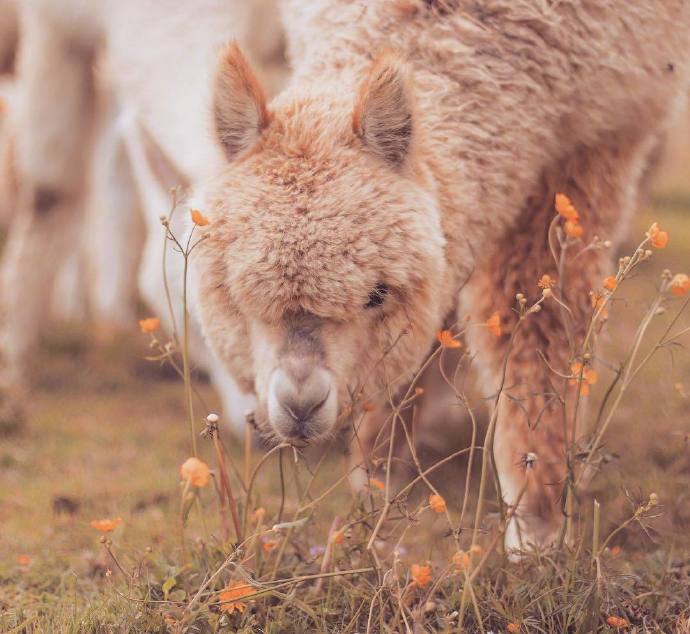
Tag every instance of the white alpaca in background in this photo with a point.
(159, 59)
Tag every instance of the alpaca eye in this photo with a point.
(377, 296)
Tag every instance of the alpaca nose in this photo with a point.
(301, 403)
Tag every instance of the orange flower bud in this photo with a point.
(610, 283)
(573, 229)
(150, 324)
(494, 324)
(198, 218)
(195, 471)
(680, 284)
(565, 208)
(437, 503)
(445, 338)
(421, 575)
(106, 525)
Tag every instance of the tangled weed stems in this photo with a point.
(321, 566)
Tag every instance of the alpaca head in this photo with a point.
(320, 281)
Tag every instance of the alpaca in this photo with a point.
(156, 63)
(405, 178)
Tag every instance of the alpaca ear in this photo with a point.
(383, 116)
(239, 103)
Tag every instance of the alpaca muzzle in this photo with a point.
(302, 400)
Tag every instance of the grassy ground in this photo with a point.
(106, 437)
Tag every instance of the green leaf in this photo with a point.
(168, 585)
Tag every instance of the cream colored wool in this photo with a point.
(420, 145)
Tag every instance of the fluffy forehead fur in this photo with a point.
(321, 203)
(303, 225)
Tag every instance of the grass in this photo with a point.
(107, 434)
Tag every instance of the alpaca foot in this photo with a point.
(529, 536)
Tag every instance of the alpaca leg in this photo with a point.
(115, 225)
(533, 430)
(51, 138)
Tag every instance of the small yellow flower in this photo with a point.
(494, 324)
(231, 598)
(195, 471)
(268, 545)
(377, 484)
(106, 525)
(598, 304)
(198, 218)
(445, 338)
(610, 283)
(421, 575)
(565, 208)
(589, 377)
(461, 560)
(546, 281)
(618, 622)
(150, 324)
(437, 503)
(657, 237)
(680, 284)
(573, 229)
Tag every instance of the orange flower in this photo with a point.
(198, 218)
(368, 406)
(513, 628)
(23, 560)
(338, 537)
(377, 484)
(616, 551)
(658, 238)
(680, 284)
(267, 545)
(150, 324)
(546, 281)
(565, 208)
(196, 471)
(461, 560)
(589, 377)
(421, 575)
(106, 525)
(494, 324)
(476, 549)
(445, 338)
(231, 597)
(573, 229)
(618, 622)
(598, 304)
(437, 503)
(610, 283)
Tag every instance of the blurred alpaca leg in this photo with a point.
(114, 227)
(51, 130)
(8, 35)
